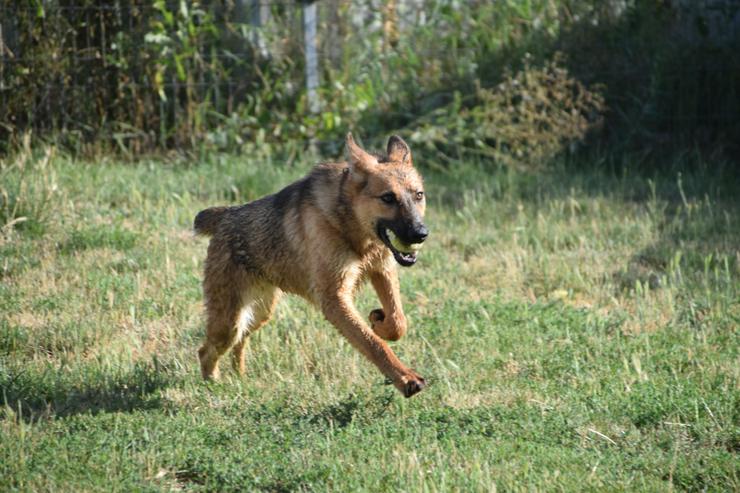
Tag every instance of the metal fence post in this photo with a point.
(2, 57)
(260, 17)
(312, 62)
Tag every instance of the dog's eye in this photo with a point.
(388, 198)
(419, 195)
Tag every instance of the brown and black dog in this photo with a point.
(320, 238)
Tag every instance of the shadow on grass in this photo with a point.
(338, 414)
(342, 413)
(690, 204)
(50, 394)
(695, 211)
(693, 246)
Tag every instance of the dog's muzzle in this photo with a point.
(405, 247)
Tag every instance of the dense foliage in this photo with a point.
(206, 74)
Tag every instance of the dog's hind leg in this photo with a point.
(224, 290)
(222, 315)
(255, 313)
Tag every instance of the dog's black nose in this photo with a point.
(419, 234)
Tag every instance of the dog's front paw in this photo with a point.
(413, 384)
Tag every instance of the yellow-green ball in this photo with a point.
(405, 247)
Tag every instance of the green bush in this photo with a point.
(523, 121)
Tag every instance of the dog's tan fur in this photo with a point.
(316, 238)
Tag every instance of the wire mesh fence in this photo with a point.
(142, 74)
(133, 71)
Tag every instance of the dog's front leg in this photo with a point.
(341, 312)
(388, 322)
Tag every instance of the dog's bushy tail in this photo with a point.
(208, 220)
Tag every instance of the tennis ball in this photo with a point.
(403, 247)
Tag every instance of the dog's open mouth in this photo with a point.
(404, 253)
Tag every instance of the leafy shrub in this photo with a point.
(523, 121)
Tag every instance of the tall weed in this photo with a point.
(27, 189)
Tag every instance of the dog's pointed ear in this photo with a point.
(358, 157)
(398, 150)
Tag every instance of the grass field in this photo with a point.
(579, 330)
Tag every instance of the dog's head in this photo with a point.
(389, 200)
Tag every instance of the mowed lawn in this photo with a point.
(579, 330)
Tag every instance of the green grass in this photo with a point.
(579, 330)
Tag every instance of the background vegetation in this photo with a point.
(575, 310)
(516, 80)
